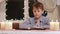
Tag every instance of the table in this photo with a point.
(28, 32)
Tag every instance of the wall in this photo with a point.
(2, 10)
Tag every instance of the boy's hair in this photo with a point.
(38, 5)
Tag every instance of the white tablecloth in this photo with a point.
(28, 32)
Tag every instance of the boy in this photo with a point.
(38, 21)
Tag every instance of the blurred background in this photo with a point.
(22, 9)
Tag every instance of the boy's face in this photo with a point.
(37, 12)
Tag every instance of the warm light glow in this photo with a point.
(54, 25)
(2, 25)
(6, 25)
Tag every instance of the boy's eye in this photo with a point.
(38, 11)
(34, 11)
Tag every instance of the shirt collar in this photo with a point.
(41, 19)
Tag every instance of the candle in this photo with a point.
(2, 25)
(8, 25)
(54, 25)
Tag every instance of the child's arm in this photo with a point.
(47, 24)
(26, 24)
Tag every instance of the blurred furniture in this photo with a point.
(16, 26)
